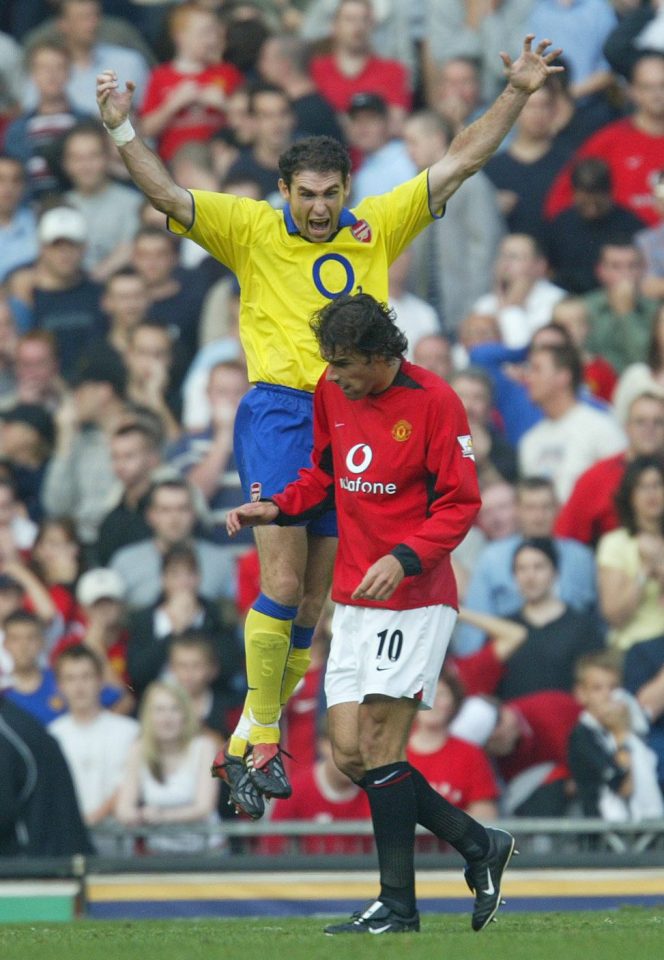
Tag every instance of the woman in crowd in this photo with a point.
(168, 773)
(56, 559)
(630, 560)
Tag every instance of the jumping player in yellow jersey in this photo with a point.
(289, 264)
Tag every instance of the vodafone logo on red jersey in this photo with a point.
(358, 459)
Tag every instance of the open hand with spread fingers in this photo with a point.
(114, 104)
(530, 70)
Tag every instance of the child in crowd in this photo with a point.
(615, 772)
(32, 687)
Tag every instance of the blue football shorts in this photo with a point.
(273, 441)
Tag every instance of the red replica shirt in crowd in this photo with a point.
(600, 377)
(400, 470)
(194, 122)
(312, 801)
(590, 510)
(387, 78)
(634, 158)
(459, 771)
(547, 719)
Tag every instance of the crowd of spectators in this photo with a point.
(539, 296)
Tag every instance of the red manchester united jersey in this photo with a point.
(399, 468)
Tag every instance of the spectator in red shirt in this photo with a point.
(352, 66)
(632, 147)
(322, 794)
(185, 98)
(590, 510)
(458, 770)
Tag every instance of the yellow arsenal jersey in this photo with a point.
(285, 278)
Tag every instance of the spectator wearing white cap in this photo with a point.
(56, 288)
(100, 593)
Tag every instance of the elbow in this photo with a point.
(616, 617)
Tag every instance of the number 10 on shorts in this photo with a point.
(390, 645)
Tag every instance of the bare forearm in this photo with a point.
(619, 606)
(472, 147)
(506, 631)
(594, 83)
(153, 179)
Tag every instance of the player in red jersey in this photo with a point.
(392, 450)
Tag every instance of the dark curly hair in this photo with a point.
(358, 323)
(320, 154)
(625, 493)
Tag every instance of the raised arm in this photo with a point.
(145, 168)
(472, 147)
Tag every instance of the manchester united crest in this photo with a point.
(402, 430)
(361, 231)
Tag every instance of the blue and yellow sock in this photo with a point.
(299, 658)
(267, 634)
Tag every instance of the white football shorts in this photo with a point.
(396, 653)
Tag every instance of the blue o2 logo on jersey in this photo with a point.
(345, 264)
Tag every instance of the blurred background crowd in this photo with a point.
(539, 297)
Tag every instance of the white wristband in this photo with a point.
(122, 134)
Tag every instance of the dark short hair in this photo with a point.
(645, 54)
(172, 483)
(259, 88)
(91, 128)
(319, 154)
(358, 323)
(131, 427)
(526, 484)
(180, 553)
(592, 174)
(624, 494)
(193, 639)
(545, 545)
(23, 616)
(76, 653)
(565, 357)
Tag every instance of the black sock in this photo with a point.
(447, 822)
(394, 814)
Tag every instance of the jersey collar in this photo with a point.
(346, 219)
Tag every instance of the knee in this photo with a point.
(348, 762)
(282, 584)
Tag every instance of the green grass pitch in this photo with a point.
(626, 934)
